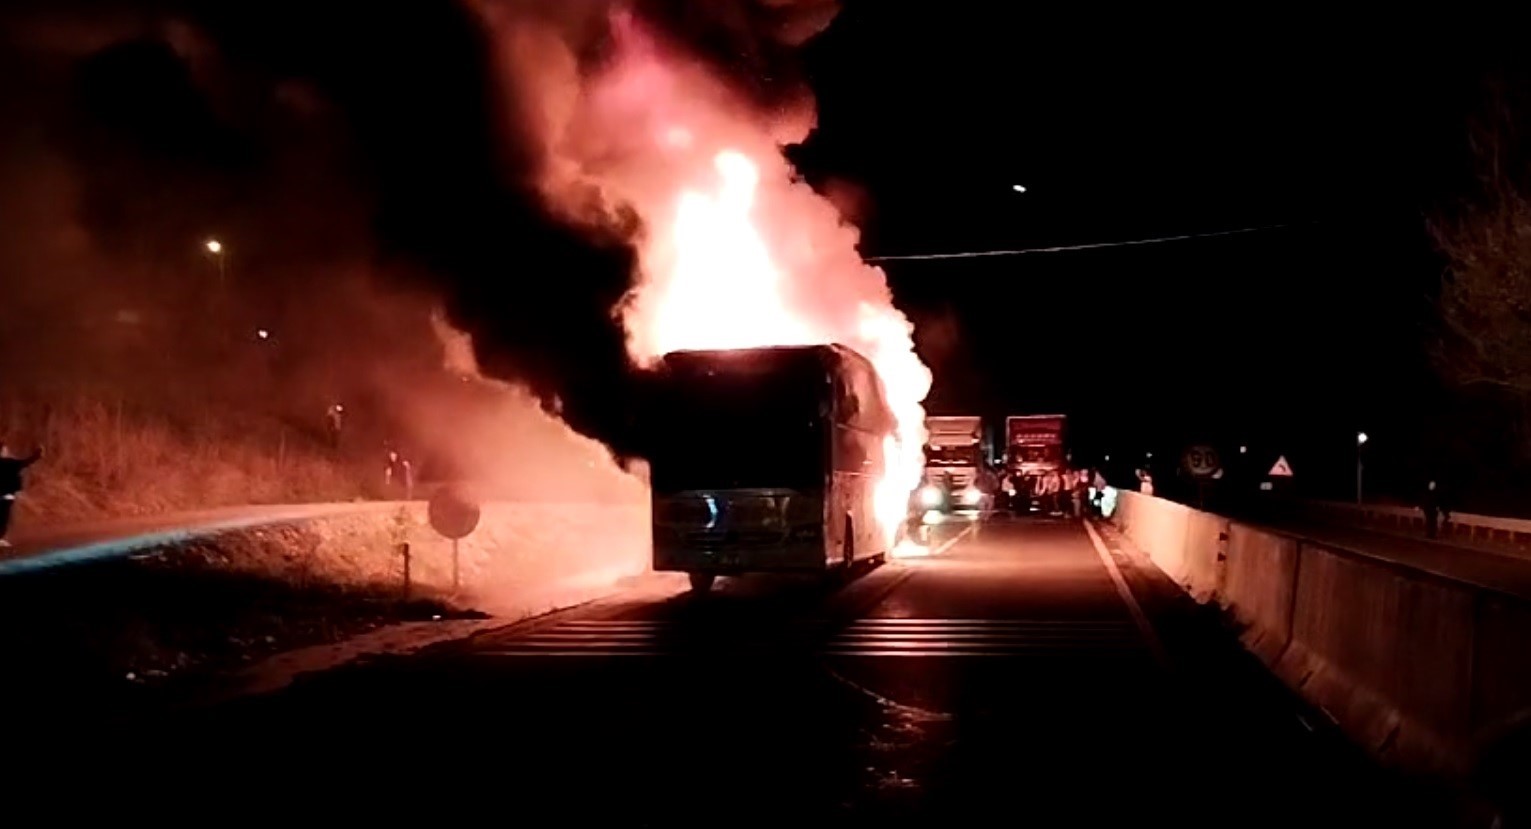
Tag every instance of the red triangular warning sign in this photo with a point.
(1281, 469)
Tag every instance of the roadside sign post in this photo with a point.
(1203, 465)
(455, 515)
(1278, 481)
(456, 557)
(404, 551)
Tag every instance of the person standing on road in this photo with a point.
(1053, 490)
(1434, 512)
(399, 477)
(334, 423)
(988, 484)
(1098, 493)
(10, 484)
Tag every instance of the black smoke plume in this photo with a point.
(394, 132)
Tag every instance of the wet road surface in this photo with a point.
(1006, 681)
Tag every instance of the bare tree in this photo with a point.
(1485, 299)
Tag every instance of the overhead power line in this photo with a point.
(978, 254)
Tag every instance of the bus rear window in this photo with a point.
(725, 430)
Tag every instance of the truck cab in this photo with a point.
(1034, 450)
(954, 465)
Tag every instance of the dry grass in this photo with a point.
(109, 457)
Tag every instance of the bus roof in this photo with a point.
(734, 356)
(860, 379)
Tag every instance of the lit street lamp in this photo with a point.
(1019, 188)
(262, 334)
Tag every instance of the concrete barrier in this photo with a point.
(1425, 671)
(1186, 544)
(1205, 555)
(1259, 588)
(1501, 662)
(1388, 653)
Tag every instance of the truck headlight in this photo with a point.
(971, 496)
(931, 497)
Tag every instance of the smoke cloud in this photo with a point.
(588, 111)
(494, 159)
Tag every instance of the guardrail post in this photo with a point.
(404, 551)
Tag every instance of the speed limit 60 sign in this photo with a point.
(1202, 461)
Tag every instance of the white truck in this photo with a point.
(953, 462)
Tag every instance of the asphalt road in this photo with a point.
(1007, 681)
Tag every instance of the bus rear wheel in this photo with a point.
(701, 582)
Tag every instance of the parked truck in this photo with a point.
(1034, 447)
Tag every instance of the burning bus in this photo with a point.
(767, 459)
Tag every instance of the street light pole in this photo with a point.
(215, 247)
(1360, 442)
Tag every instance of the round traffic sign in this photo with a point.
(1202, 461)
(452, 513)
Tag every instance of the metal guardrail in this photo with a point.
(1490, 528)
(88, 544)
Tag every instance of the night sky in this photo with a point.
(1290, 339)
(1347, 132)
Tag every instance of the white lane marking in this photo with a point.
(1009, 654)
(896, 621)
(953, 540)
(979, 637)
(581, 654)
(1045, 620)
(867, 637)
(855, 636)
(1138, 616)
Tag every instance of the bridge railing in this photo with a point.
(1511, 532)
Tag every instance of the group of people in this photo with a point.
(1056, 492)
(398, 471)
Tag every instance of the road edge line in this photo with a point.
(952, 542)
(1139, 618)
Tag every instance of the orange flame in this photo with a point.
(737, 251)
(716, 283)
